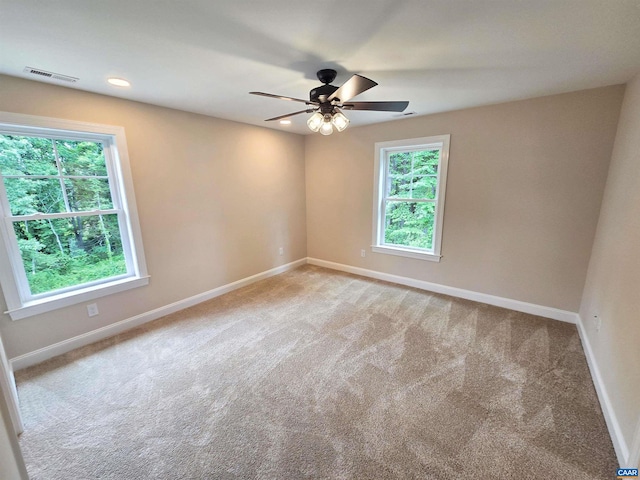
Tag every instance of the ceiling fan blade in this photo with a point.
(270, 95)
(289, 115)
(378, 106)
(352, 87)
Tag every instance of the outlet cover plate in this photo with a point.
(92, 309)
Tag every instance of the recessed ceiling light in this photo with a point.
(285, 122)
(119, 82)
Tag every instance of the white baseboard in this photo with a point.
(540, 310)
(619, 444)
(42, 354)
(65, 346)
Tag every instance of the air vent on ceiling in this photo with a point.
(406, 114)
(54, 76)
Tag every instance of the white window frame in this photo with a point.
(20, 302)
(382, 152)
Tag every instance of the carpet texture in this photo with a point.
(320, 374)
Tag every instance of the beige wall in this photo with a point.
(524, 188)
(612, 289)
(216, 199)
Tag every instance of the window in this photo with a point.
(410, 180)
(69, 230)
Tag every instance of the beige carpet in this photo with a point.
(319, 374)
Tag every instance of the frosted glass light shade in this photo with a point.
(326, 128)
(315, 121)
(340, 121)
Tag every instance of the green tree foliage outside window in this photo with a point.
(410, 199)
(61, 177)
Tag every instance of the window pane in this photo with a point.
(26, 156)
(400, 163)
(88, 194)
(413, 174)
(426, 162)
(399, 186)
(425, 187)
(409, 224)
(81, 158)
(65, 252)
(33, 195)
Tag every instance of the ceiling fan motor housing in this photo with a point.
(326, 75)
(321, 93)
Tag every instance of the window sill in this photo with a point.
(405, 252)
(77, 296)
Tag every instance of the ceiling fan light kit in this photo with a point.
(339, 120)
(327, 100)
(326, 128)
(315, 121)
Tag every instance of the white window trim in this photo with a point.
(382, 149)
(17, 307)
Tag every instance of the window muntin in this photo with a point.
(409, 203)
(68, 233)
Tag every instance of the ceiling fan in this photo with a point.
(327, 101)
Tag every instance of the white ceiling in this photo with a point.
(205, 56)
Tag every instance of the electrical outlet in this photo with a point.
(92, 309)
(363, 253)
(281, 251)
